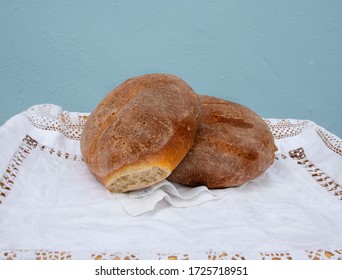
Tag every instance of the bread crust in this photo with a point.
(147, 123)
(233, 145)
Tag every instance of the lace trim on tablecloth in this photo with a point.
(51, 117)
(330, 140)
(323, 179)
(59, 153)
(70, 124)
(287, 128)
(28, 144)
(8, 177)
(311, 254)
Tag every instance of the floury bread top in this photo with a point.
(155, 126)
(140, 131)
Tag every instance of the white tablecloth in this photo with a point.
(51, 207)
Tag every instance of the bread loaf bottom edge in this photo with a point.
(137, 179)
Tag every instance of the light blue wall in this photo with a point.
(282, 59)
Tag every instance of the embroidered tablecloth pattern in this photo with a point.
(51, 207)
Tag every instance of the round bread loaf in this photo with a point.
(140, 131)
(233, 145)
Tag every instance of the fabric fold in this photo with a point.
(140, 201)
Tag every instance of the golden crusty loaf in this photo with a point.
(140, 131)
(233, 145)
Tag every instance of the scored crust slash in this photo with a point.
(140, 131)
(233, 145)
(154, 127)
